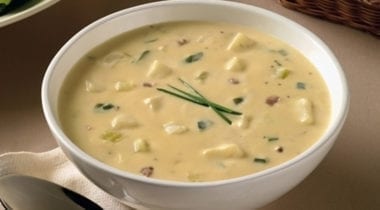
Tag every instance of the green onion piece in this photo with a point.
(277, 63)
(301, 86)
(202, 76)
(204, 124)
(238, 100)
(100, 107)
(282, 52)
(194, 57)
(181, 96)
(271, 138)
(143, 54)
(260, 160)
(207, 101)
(200, 100)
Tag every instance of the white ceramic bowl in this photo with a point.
(245, 192)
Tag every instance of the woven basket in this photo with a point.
(360, 14)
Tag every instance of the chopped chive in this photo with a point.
(301, 86)
(204, 124)
(260, 160)
(277, 63)
(271, 138)
(282, 52)
(202, 76)
(142, 55)
(103, 107)
(194, 57)
(181, 96)
(207, 102)
(200, 100)
(238, 100)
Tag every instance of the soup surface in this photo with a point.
(155, 101)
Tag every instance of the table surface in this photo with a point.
(348, 178)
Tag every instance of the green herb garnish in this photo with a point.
(260, 160)
(277, 63)
(271, 138)
(142, 55)
(238, 100)
(194, 57)
(199, 99)
(204, 124)
(301, 85)
(282, 52)
(103, 106)
(202, 76)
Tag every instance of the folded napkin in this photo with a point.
(54, 166)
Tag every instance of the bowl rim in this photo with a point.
(62, 139)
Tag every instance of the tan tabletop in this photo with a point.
(349, 177)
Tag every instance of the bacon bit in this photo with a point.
(279, 149)
(182, 42)
(271, 100)
(147, 84)
(233, 81)
(147, 171)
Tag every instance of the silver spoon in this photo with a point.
(19, 192)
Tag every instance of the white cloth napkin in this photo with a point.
(54, 166)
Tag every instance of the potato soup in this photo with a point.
(194, 101)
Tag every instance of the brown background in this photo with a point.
(349, 177)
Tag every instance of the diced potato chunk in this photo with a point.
(241, 42)
(282, 73)
(93, 87)
(304, 108)
(235, 64)
(243, 122)
(123, 121)
(174, 128)
(224, 151)
(158, 70)
(124, 86)
(154, 103)
(140, 145)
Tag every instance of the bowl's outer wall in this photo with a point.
(242, 193)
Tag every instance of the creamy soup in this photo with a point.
(194, 101)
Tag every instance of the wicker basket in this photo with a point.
(360, 14)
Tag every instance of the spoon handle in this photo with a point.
(5, 205)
